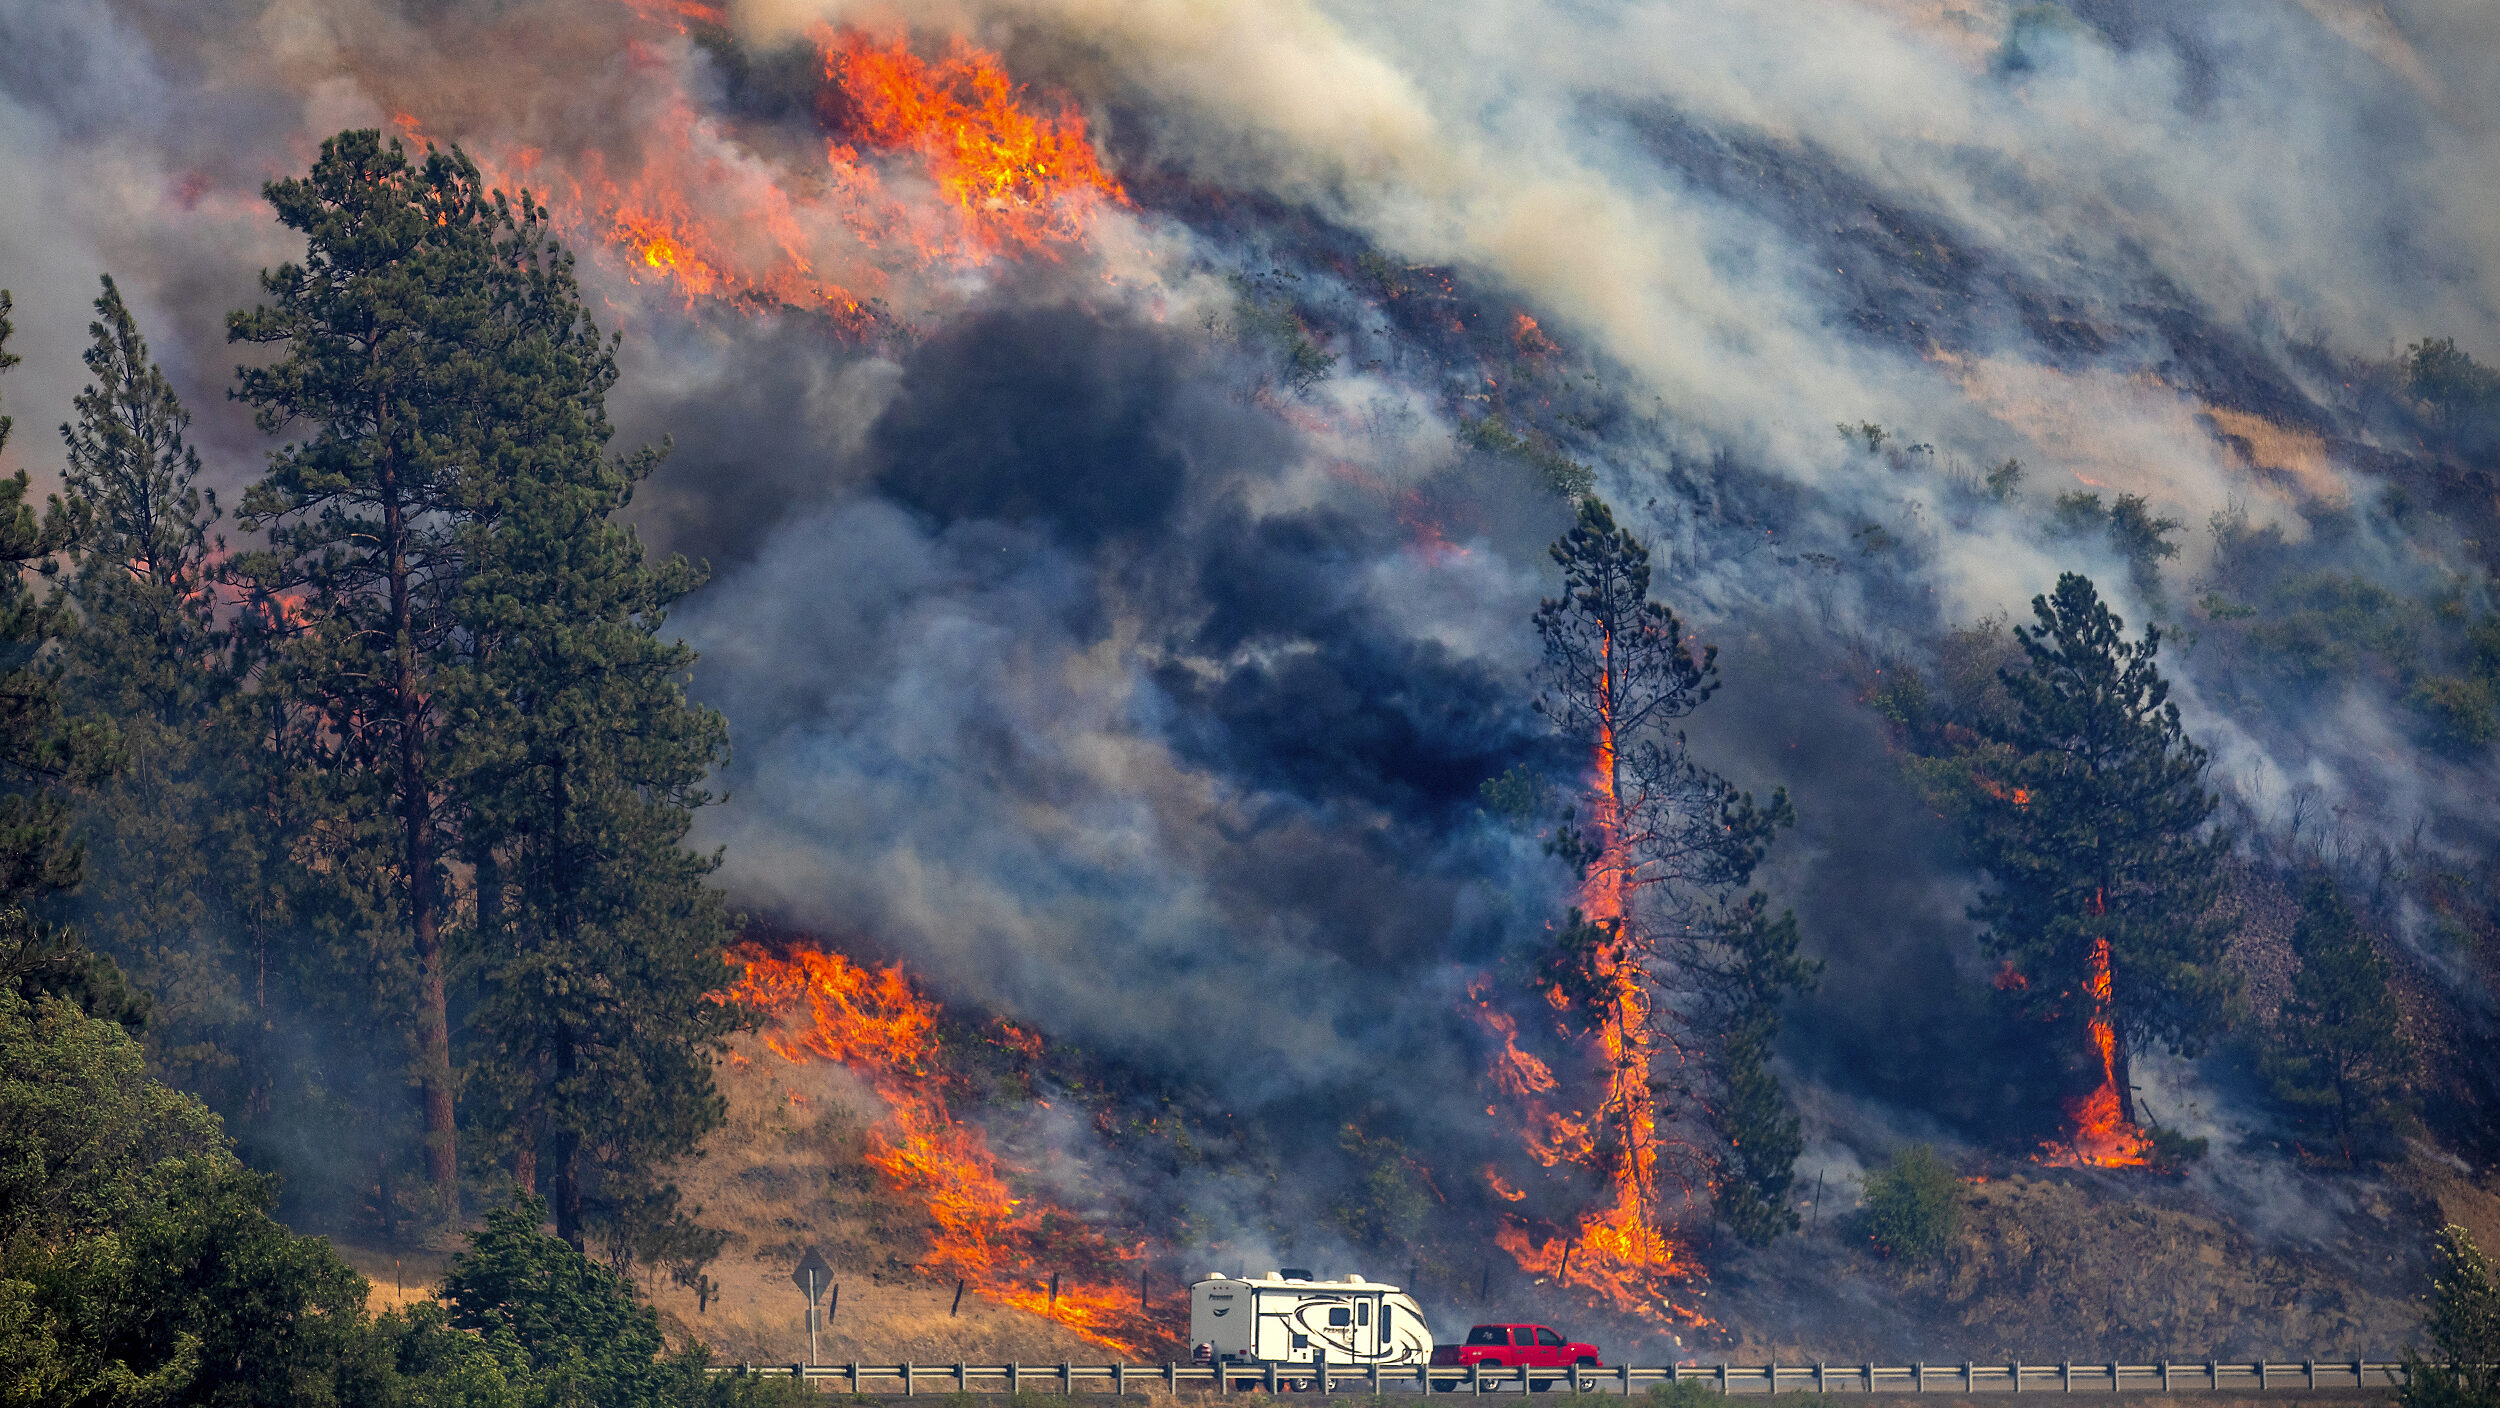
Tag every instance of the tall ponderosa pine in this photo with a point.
(395, 330)
(43, 752)
(150, 656)
(581, 762)
(1662, 949)
(2339, 1049)
(2097, 835)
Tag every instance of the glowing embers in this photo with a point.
(2099, 1134)
(825, 1007)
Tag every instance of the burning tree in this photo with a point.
(1666, 991)
(2103, 871)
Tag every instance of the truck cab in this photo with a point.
(1518, 1346)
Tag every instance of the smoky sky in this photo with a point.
(1121, 685)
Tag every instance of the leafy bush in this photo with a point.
(1913, 1205)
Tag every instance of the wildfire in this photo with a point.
(942, 163)
(873, 1021)
(1618, 1248)
(2102, 1137)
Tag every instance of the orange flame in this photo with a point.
(2102, 1138)
(873, 1021)
(1619, 1248)
(945, 163)
(1017, 179)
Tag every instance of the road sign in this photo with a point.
(813, 1274)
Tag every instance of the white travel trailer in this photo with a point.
(1292, 1317)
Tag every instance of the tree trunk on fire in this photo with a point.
(2091, 819)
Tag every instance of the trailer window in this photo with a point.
(1386, 1309)
(1339, 1315)
(1362, 1312)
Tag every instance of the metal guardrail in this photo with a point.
(1969, 1377)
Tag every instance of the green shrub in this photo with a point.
(1913, 1205)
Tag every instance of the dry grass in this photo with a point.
(786, 1173)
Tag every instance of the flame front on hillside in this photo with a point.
(942, 163)
(873, 1021)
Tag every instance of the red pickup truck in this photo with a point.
(1516, 1347)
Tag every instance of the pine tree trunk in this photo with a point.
(442, 1148)
(568, 1152)
(2122, 1067)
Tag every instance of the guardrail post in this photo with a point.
(1723, 1380)
(1067, 1378)
(855, 1378)
(1819, 1385)
(2262, 1366)
(1623, 1372)
(1475, 1378)
(2213, 1374)
(1015, 1380)
(1870, 1376)
(910, 1390)
(2164, 1366)
(2356, 1372)
(1918, 1375)
(1271, 1378)
(2113, 1376)
(2309, 1372)
(2066, 1375)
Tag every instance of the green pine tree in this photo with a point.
(1749, 972)
(581, 763)
(150, 657)
(394, 336)
(2096, 835)
(2339, 1050)
(43, 753)
(2464, 1322)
